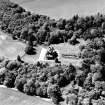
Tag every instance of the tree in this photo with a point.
(2, 77)
(88, 82)
(54, 93)
(29, 87)
(19, 83)
(96, 76)
(57, 36)
(9, 79)
(43, 88)
(82, 47)
(73, 40)
(86, 101)
(61, 24)
(69, 34)
(41, 35)
(69, 74)
(12, 65)
(102, 54)
(94, 32)
(71, 99)
(24, 33)
(30, 50)
(31, 36)
(39, 91)
(103, 25)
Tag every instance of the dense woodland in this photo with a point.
(45, 81)
(24, 25)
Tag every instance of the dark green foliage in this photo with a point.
(29, 87)
(19, 83)
(24, 33)
(17, 21)
(13, 65)
(55, 93)
(41, 79)
(9, 79)
(71, 99)
(43, 89)
(57, 36)
(39, 91)
(30, 50)
(103, 25)
(34, 79)
(2, 77)
(73, 40)
(88, 82)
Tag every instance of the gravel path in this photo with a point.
(42, 54)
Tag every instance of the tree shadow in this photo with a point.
(33, 51)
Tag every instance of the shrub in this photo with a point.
(12, 65)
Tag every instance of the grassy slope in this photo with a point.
(11, 49)
(11, 97)
(63, 8)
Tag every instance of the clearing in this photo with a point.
(10, 49)
(68, 49)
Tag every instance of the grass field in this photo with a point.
(32, 58)
(12, 97)
(63, 8)
(67, 49)
(10, 48)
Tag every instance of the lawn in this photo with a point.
(62, 48)
(32, 58)
(67, 49)
(12, 97)
(10, 48)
